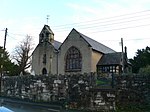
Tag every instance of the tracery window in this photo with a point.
(73, 60)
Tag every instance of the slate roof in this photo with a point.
(96, 45)
(48, 29)
(57, 44)
(110, 59)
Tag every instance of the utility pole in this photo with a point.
(5, 38)
(122, 55)
(3, 57)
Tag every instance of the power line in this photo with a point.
(12, 37)
(2, 29)
(16, 34)
(116, 40)
(110, 29)
(110, 24)
(122, 28)
(101, 26)
(137, 39)
(20, 35)
(104, 21)
(130, 14)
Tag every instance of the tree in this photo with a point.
(6, 66)
(142, 59)
(145, 70)
(22, 54)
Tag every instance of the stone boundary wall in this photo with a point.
(132, 89)
(55, 88)
(84, 91)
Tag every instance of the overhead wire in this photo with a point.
(101, 22)
(12, 37)
(104, 18)
(16, 34)
(106, 24)
(133, 39)
(136, 39)
(2, 29)
(22, 35)
(110, 24)
(121, 28)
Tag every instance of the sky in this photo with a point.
(106, 21)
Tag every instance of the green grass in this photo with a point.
(134, 108)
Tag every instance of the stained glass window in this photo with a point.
(73, 60)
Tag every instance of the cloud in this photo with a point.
(83, 11)
(83, 8)
(99, 8)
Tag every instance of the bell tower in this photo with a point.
(46, 35)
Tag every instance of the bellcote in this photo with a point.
(46, 35)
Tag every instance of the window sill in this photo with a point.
(73, 70)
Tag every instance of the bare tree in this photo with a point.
(22, 54)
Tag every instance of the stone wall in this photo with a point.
(54, 88)
(84, 91)
(132, 89)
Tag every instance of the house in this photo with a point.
(77, 54)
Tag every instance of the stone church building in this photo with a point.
(77, 54)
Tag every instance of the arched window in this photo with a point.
(44, 59)
(44, 71)
(73, 60)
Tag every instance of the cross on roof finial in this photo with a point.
(47, 19)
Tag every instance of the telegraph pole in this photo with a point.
(122, 55)
(3, 57)
(5, 38)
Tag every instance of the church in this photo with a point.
(77, 54)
